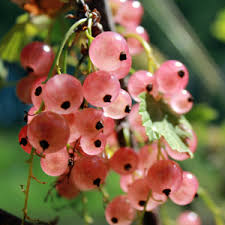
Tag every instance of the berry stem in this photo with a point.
(59, 52)
(41, 108)
(211, 205)
(30, 162)
(87, 219)
(105, 195)
(152, 63)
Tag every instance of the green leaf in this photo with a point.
(159, 121)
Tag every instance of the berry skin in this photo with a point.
(37, 58)
(89, 173)
(134, 45)
(56, 163)
(124, 161)
(138, 193)
(172, 76)
(109, 126)
(186, 193)
(23, 89)
(109, 51)
(88, 122)
(66, 188)
(93, 145)
(119, 211)
(188, 218)
(120, 108)
(129, 14)
(63, 94)
(165, 176)
(36, 92)
(181, 102)
(23, 140)
(101, 89)
(48, 131)
(142, 81)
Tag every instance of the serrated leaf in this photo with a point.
(159, 121)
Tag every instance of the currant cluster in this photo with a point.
(72, 124)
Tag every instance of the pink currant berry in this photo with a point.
(23, 140)
(188, 218)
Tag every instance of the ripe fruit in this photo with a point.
(129, 14)
(63, 94)
(142, 81)
(172, 76)
(181, 102)
(109, 51)
(56, 163)
(89, 173)
(48, 131)
(120, 108)
(188, 218)
(23, 140)
(165, 176)
(186, 193)
(37, 58)
(124, 161)
(119, 211)
(100, 88)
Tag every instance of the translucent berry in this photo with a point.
(165, 176)
(66, 188)
(129, 14)
(93, 145)
(63, 94)
(56, 163)
(120, 108)
(37, 58)
(23, 140)
(188, 218)
(101, 89)
(124, 161)
(109, 125)
(142, 81)
(48, 131)
(138, 193)
(109, 51)
(36, 92)
(134, 45)
(88, 122)
(172, 76)
(119, 211)
(23, 89)
(187, 191)
(89, 173)
(181, 102)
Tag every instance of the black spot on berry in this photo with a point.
(167, 192)
(23, 141)
(44, 144)
(149, 87)
(123, 56)
(114, 220)
(29, 69)
(70, 162)
(127, 109)
(99, 125)
(127, 166)
(98, 143)
(107, 98)
(97, 182)
(196, 195)
(65, 105)
(38, 91)
(190, 99)
(181, 73)
(142, 203)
